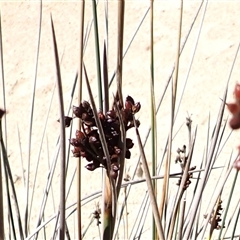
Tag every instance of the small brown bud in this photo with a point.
(136, 107)
(2, 112)
(111, 114)
(113, 174)
(67, 121)
(75, 142)
(76, 152)
(128, 154)
(101, 116)
(79, 135)
(77, 112)
(91, 166)
(117, 150)
(86, 106)
(236, 164)
(235, 122)
(129, 143)
(130, 99)
(92, 139)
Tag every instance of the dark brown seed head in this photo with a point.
(67, 121)
(137, 123)
(114, 158)
(128, 105)
(236, 164)
(129, 143)
(101, 116)
(117, 150)
(79, 135)
(130, 99)
(92, 139)
(113, 174)
(128, 154)
(75, 142)
(136, 107)
(86, 106)
(91, 166)
(235, 122)
(2, 112)
(77, 112)
(76, 152)
(111, 114)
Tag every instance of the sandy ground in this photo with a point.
(207, 79)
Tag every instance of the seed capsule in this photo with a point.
(236, 164)
(136, 107)
(77, 112)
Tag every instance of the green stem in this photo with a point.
(98, 65)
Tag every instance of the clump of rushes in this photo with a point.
(87, 142)
(234, 122)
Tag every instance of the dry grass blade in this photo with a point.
(165, 187)
(150, 187)
(26, 217)
(62, 139)
(3, 79)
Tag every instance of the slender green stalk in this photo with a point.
(81, 48)
(1, 189)
(62, 139)
(235, 224)
(121, 9)
(153, 110)
(97, 51)
(182, 214)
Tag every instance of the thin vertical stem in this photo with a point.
(164, 198)
(121, 7)
(1, 189)
(98, 65)
(62, 140)
(153, 110)
(79, 218)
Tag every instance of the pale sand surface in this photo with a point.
(206, 83)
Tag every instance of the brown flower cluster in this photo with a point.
(182, 159)
(87, 142)
(215, 218)
(234, 109)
